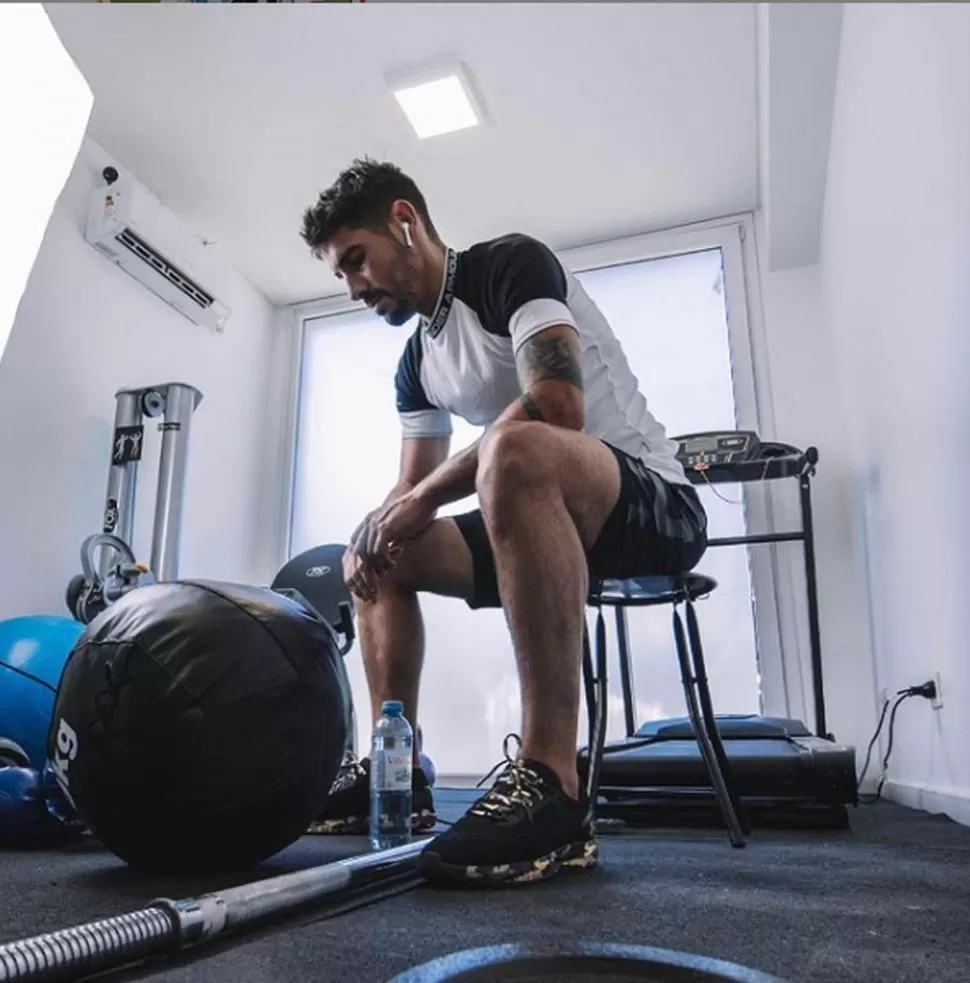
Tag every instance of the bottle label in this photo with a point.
(395, 776)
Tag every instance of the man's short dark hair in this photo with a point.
(361, 198)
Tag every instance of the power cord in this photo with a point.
(928, 691)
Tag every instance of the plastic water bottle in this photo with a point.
(392, 749)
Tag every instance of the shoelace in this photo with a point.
(350, 771)
(507, 759)
(518, 787)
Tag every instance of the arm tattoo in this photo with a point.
(544, 359)
(530, 407)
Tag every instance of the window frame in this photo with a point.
(775, 615)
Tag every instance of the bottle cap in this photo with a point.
(392, 708)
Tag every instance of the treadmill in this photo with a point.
(784, 774)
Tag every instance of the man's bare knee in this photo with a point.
(510, 457)
(437, 561)
(521, 459)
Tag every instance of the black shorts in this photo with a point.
(656, 528)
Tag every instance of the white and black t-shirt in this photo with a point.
(494, 297)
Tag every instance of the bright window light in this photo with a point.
(441, 105)
(44, 109)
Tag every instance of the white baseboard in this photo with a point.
(948, 802)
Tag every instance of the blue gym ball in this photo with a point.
(33, 653)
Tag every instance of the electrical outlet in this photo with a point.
(937, 701)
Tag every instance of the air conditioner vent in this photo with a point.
(175, 276)
(135, 231)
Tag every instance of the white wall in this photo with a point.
(895, 284)
(808, 411)
(798, 50)
(84, 329)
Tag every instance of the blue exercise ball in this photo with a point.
(33, 653)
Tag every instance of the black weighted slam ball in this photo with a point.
(199, 726)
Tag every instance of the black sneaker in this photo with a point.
(347, 810)
(524, 830)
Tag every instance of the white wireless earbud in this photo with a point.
(407, 234)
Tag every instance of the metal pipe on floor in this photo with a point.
(203, 918)
(166, 926)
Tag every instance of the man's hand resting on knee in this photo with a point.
(378, 541)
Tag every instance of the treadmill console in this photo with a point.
(717, 447)
(729, 451)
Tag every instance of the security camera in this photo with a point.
(110, 175)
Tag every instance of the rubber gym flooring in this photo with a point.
(888, 900)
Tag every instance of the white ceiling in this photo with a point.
(604, 120)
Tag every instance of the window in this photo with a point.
(347, 414)
(669, 308)
(670, 317)
(469, 693)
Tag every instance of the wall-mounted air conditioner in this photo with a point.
(134, 229)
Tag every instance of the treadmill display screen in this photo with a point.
(700, 445)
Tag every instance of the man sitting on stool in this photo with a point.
(574, 476)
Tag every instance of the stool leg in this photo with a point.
(589, 686)
(626, 669)
(596, 695)
(602, 692)
(592, 714)
(704, 738)
(707, 710)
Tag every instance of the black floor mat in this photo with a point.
(888, 899)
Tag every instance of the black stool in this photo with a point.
(652, 592)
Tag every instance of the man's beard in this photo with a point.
(398, 308)
(402, 297)
(400, 313)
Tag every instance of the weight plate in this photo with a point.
(580, 963)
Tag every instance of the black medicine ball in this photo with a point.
(199, 726)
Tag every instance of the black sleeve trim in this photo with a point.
(409, 392)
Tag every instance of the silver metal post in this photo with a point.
(126, 449)
(180, 403)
